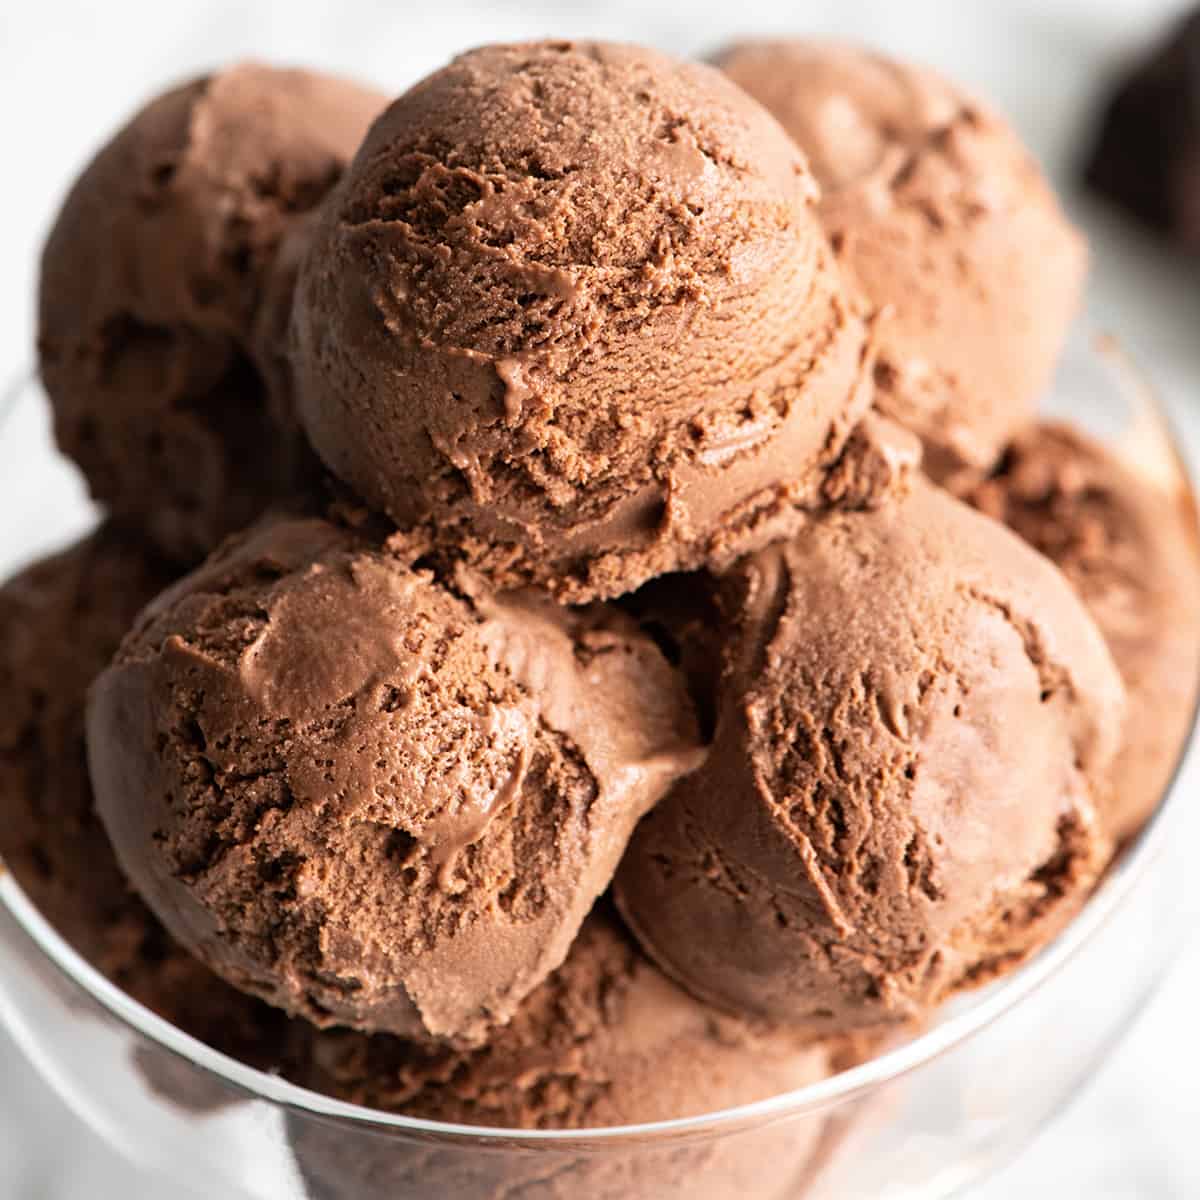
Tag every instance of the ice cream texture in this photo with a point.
(61, 620)
(913, 722)
(1129, 547)
(639, 653)
(151, 283)
(939, 216)
(571, 311)
(372, 797)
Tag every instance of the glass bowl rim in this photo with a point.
(892, 1064)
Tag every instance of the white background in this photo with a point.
(69, 72)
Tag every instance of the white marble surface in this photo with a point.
(70, 71)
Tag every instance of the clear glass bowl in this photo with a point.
(921, 1122)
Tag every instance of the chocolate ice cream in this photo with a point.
(151, 281)
(914, 718)
(621, 593)
(572, 311)
(606, 1040)
(370, 796)
(60, 622)
(1129, 547)
(938, 214)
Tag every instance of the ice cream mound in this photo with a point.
(615, 721)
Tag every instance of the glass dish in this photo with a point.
(921, 1122)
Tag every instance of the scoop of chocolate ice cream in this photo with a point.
(938, 214)
(371, 797)
(1129, 547)
(61, 620)
(606, 1040)
(150, 284)
(914, 716)
(572, 310)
